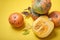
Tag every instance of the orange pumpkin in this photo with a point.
(16, 20)
(55, 17)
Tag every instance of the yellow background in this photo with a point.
(8, 7)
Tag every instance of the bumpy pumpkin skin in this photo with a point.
(41, 6)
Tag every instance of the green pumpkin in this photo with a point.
(41, 6)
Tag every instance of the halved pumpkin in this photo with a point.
(42, 27)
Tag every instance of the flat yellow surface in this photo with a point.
(8, 7)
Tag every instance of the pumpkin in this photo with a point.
(42, 26)
(16, 20)
(55, 17)
(41, 6)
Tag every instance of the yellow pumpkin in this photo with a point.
(42, 26)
